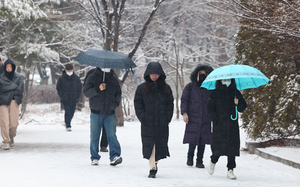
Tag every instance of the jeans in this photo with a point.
(230, 161)
(109, 122)
(69, 113)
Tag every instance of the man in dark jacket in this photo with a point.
(11, 96)
(69, 90)
(104, 98)
(103, 141)
(193, 108)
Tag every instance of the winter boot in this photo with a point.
(199, 164)
(230, 175)
(152, 174)
(190, 161)
(211, 168)
(103, 149)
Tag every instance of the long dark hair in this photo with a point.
(160, 82)
(219, 83)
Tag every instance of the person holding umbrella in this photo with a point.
(104, 97)
(221, 106)
(103, 141)
(153, 103)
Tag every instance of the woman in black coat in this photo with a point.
(153, 103)
(225, 135)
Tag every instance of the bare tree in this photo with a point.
(109, 15)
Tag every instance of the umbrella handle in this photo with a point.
(236, 114)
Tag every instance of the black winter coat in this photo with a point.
(155, 111)
(11, 89)
(225, 135)
(106, 101)
(69, 88)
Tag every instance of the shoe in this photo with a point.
(6, 146)
(211, 168)
(12, 142)
(199, 164)
(152, 174)
(190, 161)
(230, 175)
(117, 160)
(95, 162)
(103, 149)
(69, 129)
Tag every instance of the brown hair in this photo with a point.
(160, 82)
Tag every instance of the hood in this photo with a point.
(200, 67)
(9, 61)
(154, 68)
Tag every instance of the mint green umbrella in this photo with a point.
(245, 77)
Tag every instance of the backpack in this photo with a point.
(190, 86)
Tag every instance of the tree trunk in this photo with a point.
(26, 93)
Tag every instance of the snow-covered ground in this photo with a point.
(46, 155)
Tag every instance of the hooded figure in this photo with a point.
(226, 134)
(193, 108)
(11, 96)
(153, 103)
(69, 90)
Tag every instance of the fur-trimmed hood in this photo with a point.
(200, 67)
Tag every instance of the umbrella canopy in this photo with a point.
(245, 77)
(105, 59)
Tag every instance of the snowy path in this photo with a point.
(47, 155)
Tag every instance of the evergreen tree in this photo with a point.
(273, 110)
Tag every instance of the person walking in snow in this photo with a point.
(153, 103)
(225, 136)
(103, 141)
(11, 95)
(104, 98)
(69, 89)
(193, 108)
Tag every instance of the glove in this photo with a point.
(185, 118)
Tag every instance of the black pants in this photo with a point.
(103, 141)
(230, 161)
(69, 113)
(200, 150)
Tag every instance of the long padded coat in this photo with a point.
(193, 102)
(155, 111)
(69, 88)
(226, 135)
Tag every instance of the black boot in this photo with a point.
(190, 161)
(199, 164)
(152, 174)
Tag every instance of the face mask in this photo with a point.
(107, 70)
(226, 82)
(70, 73)
(202, 77)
